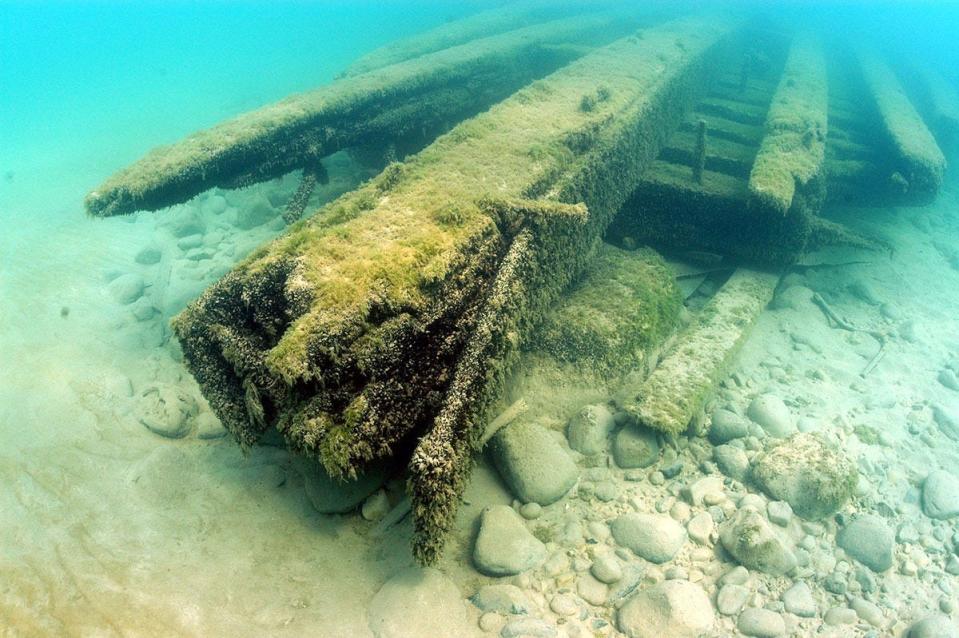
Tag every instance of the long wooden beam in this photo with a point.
(396, 313)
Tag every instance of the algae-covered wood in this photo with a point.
(680, 385)
(918, 159)
(790, 158)
(400, 308)
(378, 108)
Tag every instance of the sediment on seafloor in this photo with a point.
(405, 104)
(676, 391)
(917, 158)
(397, 311)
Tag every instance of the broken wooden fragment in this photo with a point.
(918, 162)
(788, 170)
(409, 102)
(676, 391)
(393, 316)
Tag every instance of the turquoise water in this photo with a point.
(127, 510)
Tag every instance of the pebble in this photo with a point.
(556, 564)
(635, 447)
(491, 622)
(588, 431)
(869, 540)
(591, 590)
(531, 511)
(166, 410)
(935, 626)
(214, 204)
(190, 241)
(948, 378)
(597, 531)
(813, 477)
(527, 628)
(700, 528)
(679, 511)
(756, 545)
(771, 414)
(779, 512)
(940, 495)
(738, 575)
(869, 612)
(696, 492)
(406, 607)
(564, 605)
(376, 506)
(727, 425)
(731, 599)
(607, 569)
(502, 598)
(653, 537)
(947, 421)
(656, 478)
(799, 600)
(761, 623)
(840, 616)
(332, 496)
(534, 465)
(504, 547)
(732, 461)
(149, 255)
(127, 288)
(673, 609)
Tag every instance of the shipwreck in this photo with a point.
(532, 166)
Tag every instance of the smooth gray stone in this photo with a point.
(726, 426)
(731, 599)
(869, 540)
(501, 598)
(534, 465)
(504, 546)
(755, 544)
(671, 609)
(655, 537)
(528, 628)
(635, 447)
(419, 602)
(731, 461)
(127, 288)
(799, 600)
(771, 414)
(940, 495)
(331, 496)
(761, 623)
(588, 431)
(935, 626)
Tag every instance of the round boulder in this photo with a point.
(772, 415)
(635, 447)
(814, 478)
(940, 495)
(671, 609)
(531, 461)
(654, 537)
(419, 602)
(504, 547)
(589, 429)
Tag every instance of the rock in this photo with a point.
(755, 544)
(738, 575)
(651, 536)
(761, 623)
(771, 414)
(869, 540)
(591, 590)
(726, 426)
(948, 378)
(779, 512)
(635, 447)
(696, 492)
(527, 628)
(149, 255)
(208, 426)
(935, 626)
(867, 611)
(166, 410)
(376, 506)
(143, 309)
(731, 599)
(127, 288)
(798, 600)
(700, 528)
(671, 609)
(531, 511)
(865, 291)
(947, 421)
(214, 205)
(190, 241)
(332, 496)
(255, 213)
(840, 616)
(588, 430)
(940, 495)
(501, 598)
(492, 623)
(563, 605)
(606, 569)
(731, 461)
(814, 478)
(504, 547)
(185, 222)
(793, 297)
(419, 602)
(534, 465)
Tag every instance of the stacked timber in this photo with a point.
(392, 317)
(938, 101)
(762, 180)
(403, 105)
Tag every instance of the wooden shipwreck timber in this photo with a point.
(387, 325)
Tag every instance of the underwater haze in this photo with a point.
(408, 318)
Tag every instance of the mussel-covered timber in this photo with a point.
(403, 104)
(396, 312)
